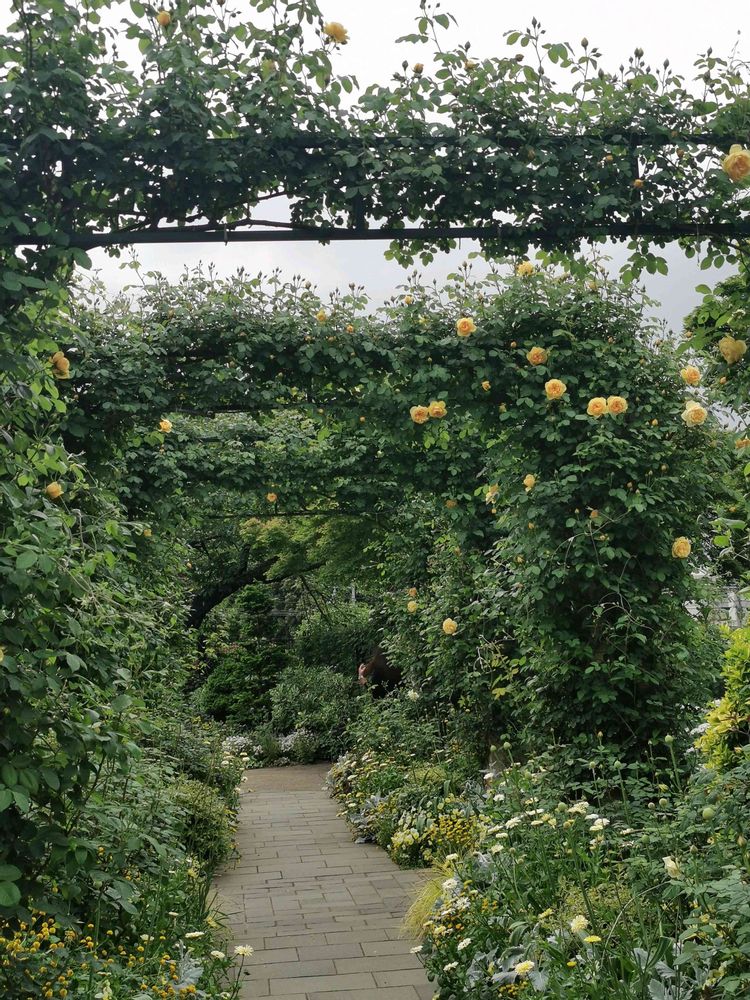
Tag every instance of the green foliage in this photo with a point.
(727, 731)
(337, 638)
(208, 821)
(316, 699)
(245, 653)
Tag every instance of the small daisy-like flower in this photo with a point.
(592, 939)
(244, 950)
(463, 944)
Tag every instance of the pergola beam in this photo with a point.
(515, 235)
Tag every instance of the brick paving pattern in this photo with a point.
(323, 913)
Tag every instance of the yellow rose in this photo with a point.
(597, 406)
(53, 490)
(486, 385)
(465, 326)
(418, 68)
(61, 364)
(165, 426)
(737, 163)
(147, 532)
(412, 592)
(163, 18)
(537, 356)
(449, 626)
(616, 405)
(731, 350)
(271, 497)
(321, 316)
(349, 328)
(681, 547)
(690, 374)
(451, 504)
(411, 607)
(524, 269)
(337, 32)
(437, 408)
(742, 442)
(420, 414)
(408, 300)
(492, 492)
(694, 414)
(555, 388)
(529, 481)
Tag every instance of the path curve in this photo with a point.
(322, 912)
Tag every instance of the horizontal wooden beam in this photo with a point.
(514, 235)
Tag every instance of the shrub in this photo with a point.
(338, 640)
(238, 690)
(207, 821)
(318, 700)
(727, 728)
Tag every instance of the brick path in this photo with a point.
(322, 912)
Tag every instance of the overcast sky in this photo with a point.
(677, 29)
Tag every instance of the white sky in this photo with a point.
(677, 29)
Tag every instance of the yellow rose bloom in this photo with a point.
(450, 627)
(690, 374)
(737, 164)
(53, 490)
(163, 18)
(529, 482)
(742, 442)
(412, 592)
(165, 426)
(321, 316)
(465, 326)
(271, 497)
(492, 492)
(61, 364)
(420, 414)
(537, 356)
(437, 408)
(616, 405)
(524, 269)
(681, 547)
(555, 388)
(408, 300)
(694, 414)
(597, 407)
(486, 385)
(337, 32)
(411, 607)
(731, 350)
(451, 504)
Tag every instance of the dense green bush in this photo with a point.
(245, 653)
(207, 821)
(315, 699)
(338, 638)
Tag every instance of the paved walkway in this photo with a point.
(322, 912)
